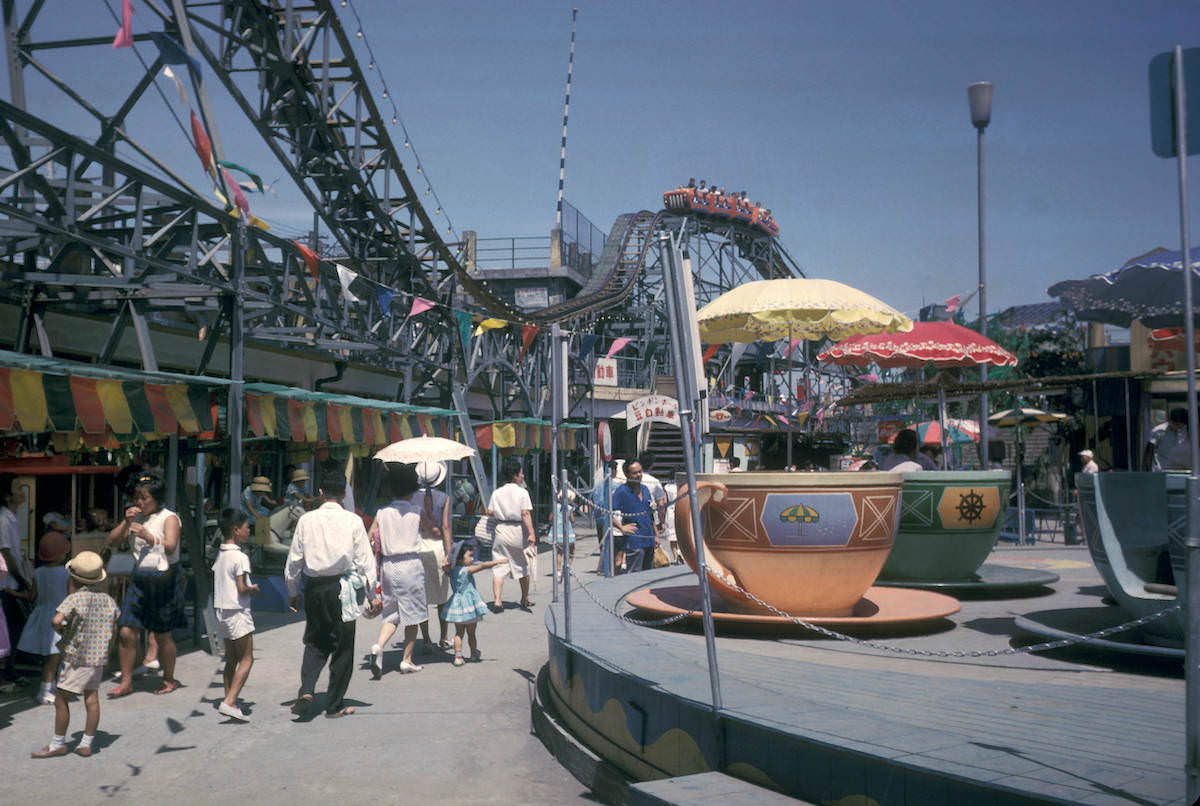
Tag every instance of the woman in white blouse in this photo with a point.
(512, 510)
(400, 569)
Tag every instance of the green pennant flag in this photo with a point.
(464, 328)
(255, 178)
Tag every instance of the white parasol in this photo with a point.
(424, 449)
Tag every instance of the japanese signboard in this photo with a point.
(606, 372)
(652, 408)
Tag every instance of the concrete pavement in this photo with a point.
(452, 735)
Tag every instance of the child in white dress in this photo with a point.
(49, 589)
(465, 607)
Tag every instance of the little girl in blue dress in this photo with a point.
(465, 607)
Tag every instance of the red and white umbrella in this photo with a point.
(943, 343)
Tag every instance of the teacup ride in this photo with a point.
(806, 546)
(1128, 521)
(949, 523)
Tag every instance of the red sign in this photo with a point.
(888, 429)
(604, 441)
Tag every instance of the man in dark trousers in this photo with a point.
(328, 543)
(633, 514)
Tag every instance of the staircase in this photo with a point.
(665, 444)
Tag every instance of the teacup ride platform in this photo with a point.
(806, 546)
(949, 524)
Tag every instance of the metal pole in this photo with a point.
(685, 391)
(237, 336)
(610, 554)
(983, 370)
(564, 513)
(556, 415)
(562, 157)
(1192, 668)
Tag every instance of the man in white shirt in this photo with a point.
(328, 543)
(1089, 462)
(658, 493)
(15, 584)
(1168, 447)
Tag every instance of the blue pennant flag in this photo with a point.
(173, 53)
(587, 345)
(385, 299)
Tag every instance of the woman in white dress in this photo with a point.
(512, 510)
(435, 546)
(400, 570)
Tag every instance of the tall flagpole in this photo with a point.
(562, 156)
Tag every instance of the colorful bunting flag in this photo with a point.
(464, 327)
(419, 305)
(617, 345)
(173, 53)
(384, 295)
(310, 259)
(202, 144)
(183, 96)
(239, 198)
(345, 277)
(124, 37)
(255, 178)
(528, 334)
(587, 345)
(953, 302)
(489, 324)
(709, 352)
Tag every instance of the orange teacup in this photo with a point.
(809, 544)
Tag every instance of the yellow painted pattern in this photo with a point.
(969, 507)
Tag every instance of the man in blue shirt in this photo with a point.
(633, 514)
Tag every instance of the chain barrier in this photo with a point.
(928, 653)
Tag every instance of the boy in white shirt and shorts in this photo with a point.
(231, 599)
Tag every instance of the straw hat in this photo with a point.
(299, 474)
(1087, 452)
(53, 547)
(87, 568)
(260, 484)
(431, 474)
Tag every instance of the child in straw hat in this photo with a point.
(86, 620)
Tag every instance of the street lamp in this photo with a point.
(980, 96)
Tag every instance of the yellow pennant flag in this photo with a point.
(489, 324)
(504, 435)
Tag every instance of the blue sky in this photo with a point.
(848, 119)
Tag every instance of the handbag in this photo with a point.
(485, 529)
(153, 559)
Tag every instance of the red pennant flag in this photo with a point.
(333, 423)
(310, 258)
(483, 437)
(88, 408)
(710, 352)
(203, 144)
(124, 37)
(528, 333)
(8, 412)
(953, 303)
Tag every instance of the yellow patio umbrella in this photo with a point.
(796, 308)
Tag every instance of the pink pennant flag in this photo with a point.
(616, 346)
(239, 197)
(953, 302)
(124, 37)
(419, 305)
(792, 346)
(783, 419)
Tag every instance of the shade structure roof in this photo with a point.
(946, 344)
(795, 308)
(1148, 288)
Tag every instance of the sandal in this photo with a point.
(444, 644)
(300, 706)
(118, 693)
(347, 711)
(527, 603)
(167, 687)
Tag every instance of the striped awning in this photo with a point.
(101, 406)
(529, 434)
(300, 415)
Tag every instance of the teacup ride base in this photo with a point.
(949, 523)
(879, 611)
(808, 545)
(1078, 623)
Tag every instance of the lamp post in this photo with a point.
(980, 96)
